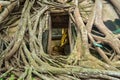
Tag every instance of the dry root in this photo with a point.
(22, 55)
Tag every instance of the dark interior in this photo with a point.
(59, 21)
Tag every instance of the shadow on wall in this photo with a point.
(113, 25)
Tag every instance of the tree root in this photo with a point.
(24, 55)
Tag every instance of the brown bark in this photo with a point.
(25, 55)
(7, 10)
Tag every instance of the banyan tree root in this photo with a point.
(24, 58)
(97, 12)
(109, 36)
(7, 10)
